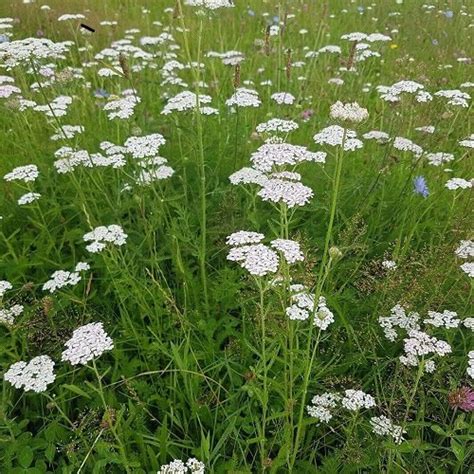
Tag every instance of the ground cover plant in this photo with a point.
(236, 236)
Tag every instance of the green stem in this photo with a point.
(323, 272)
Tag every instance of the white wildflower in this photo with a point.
(35, 375)
(87, 342)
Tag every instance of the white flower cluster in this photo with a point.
(426, 129)
(67, 132)
(354, 400)
(257, 258)
(27, 174)
(71, 16)
(145, 146)
(383, 426)
(377, 135)
(28, 198)
(466, 250)
(437, 159)
(103, 235)
(4, 286)
(418, 343)
(35, 375)
(280, 186)
(70, 158)
(248, 175)
(398, 319)
(389, 265)
(304, 307)
(351, 112)
(145, 149)
(467, 142)
(22, 52)
(455, 97)
(121, 107)
(470, 367)
(336, 135)
(187, 100)
(291, 193)
(394, 92)
(421, 344)
(8, 315)
(244, 237)
(210, 4)
(458, 183)
(283, 98)
(271, 155)
(154, 169)
(404, 144)
(228, 58)
(276, 125)
(289, 248)
(7, 90)
(323, 406)
(86, 343)
(62, 278)
(243, 97)
(192, 466)
(468, 269)
(56, 108)
(447, 319)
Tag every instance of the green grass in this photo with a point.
(194, 372)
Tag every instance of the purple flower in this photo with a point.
(307, 114)
(462, 398)
(420, 186)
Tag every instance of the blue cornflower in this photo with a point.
(420, 186)
(101, 93)
(4, 39)
(448, 13)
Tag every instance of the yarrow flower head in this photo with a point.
(22, 52)
(145, 146)
(191, 466)
(348, 112)
(465, 249)
(62, 278)
(185, 101)
(322, 406)
(34, 376)
(210, 4)
(103, 235)
(304, 308)
(336, 135)
(257, 258)
(283, 98)
(87, 342)
(4, 286)
(27, 174)
(275, 126)
(383, 426)
(28, 198)
(8, 315)
(354, 400)
(243, 97)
